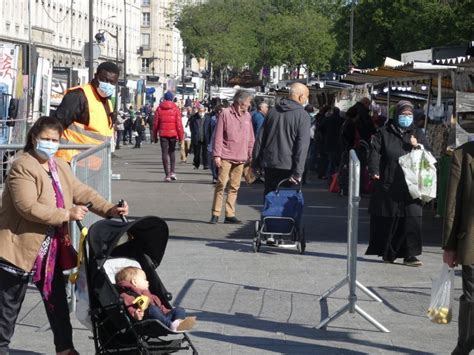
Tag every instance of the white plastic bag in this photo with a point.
(82, 299)
(427, 177)
(440, 310)
(420, 173)
(410, 164)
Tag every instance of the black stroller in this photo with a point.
(280, 223)
(142, 242)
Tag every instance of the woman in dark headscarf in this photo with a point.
(395, 217)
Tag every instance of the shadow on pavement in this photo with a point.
(280, 329)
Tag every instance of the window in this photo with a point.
(146, 19)
(145, 2)
(145, 40)
(146, 65)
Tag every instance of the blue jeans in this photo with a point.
(153, 312)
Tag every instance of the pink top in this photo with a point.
(234, 136)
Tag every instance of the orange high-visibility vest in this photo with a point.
(98, 131)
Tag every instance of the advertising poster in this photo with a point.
(8, 74)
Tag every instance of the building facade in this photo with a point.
(162, 55)
(59, 29)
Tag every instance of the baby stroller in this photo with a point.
(280, 222)
(110, 246)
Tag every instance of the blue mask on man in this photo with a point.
(405, 121)
(105, 89)
(46, 149)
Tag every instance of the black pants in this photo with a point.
(273, 177)
(200, 152)
(394, 237)
(119, 139)
(127, 135)
(12, 293)
(168, 146)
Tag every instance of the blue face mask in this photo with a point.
(405, 120)
(105, 89)
(46, 149)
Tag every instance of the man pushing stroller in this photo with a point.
(142, 304)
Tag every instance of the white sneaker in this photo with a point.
(173, 177)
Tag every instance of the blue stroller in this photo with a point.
(280, 222)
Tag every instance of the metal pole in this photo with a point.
(125, 53)
(352, 240)
(428, 103)
(91, 39)
(351, 33)
(388, 99)
(183, 72)
(116, 62)
(28, 92)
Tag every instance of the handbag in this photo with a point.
(67, 255)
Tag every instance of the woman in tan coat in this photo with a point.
(41, 196)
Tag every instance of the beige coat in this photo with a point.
(458, 231)
(29, 207)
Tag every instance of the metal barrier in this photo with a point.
(92, 167)
(352, 240)
(9, 152)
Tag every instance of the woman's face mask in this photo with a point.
(405, 121)
(46, 149)
(105, 89)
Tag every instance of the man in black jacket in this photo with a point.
(283, 141)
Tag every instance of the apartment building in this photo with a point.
(59, 29)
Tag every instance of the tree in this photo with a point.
(390, 27)
(258, 33)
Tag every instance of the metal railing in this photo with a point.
(352, 240)
(92, 167)
(9, 152)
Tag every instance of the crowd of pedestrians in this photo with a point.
(285, 139)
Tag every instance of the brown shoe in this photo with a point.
(186, 324)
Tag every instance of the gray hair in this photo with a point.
(261, 104)
(241, 95)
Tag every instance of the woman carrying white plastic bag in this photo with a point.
(395, 216)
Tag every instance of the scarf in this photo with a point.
(45, 262)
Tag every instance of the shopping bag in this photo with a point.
(410, 164)
(419, 170)
(427, 177)
(440, 310)
(334, 187)
(248, 174)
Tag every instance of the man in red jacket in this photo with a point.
(169, 125)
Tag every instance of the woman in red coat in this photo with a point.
(169, 126)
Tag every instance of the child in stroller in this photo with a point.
(142, 304)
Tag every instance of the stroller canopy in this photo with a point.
(146, 235)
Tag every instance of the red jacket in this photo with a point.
(133, 292)
(168, 121)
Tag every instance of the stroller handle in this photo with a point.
(297, 186)
(78, 222)
(122, 217)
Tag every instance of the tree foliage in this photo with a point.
(390, 27)
(257, 33)
(315, 33)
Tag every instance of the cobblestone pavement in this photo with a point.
(266, 303)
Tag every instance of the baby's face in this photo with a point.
(140, 281)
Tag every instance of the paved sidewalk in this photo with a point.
(266, 303)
